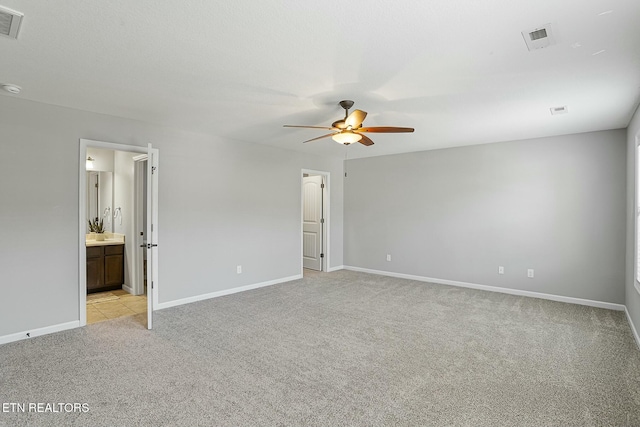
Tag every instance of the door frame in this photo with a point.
(326, 209)
(82, 214)
(636, 210)
(139, 174)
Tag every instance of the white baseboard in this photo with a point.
(38, 332)
(130, 290)
(633, 328)
(560, 298)
(330, 269)
(76, 323)
(203, 297)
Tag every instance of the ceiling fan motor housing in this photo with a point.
(346, 104)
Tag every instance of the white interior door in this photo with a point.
(140, 211)
(312, 222)
(152, 233)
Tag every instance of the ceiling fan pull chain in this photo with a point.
(346, 151)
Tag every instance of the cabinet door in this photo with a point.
(113, 270)
(95, 252)
(95, 273)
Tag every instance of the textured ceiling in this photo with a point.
(458, 71)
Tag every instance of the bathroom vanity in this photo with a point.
(105, 265)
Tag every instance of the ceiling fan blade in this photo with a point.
(365, 140)
(307, 127)
(355, 119)
(385, 129)
(320, 137)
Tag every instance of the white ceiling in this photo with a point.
(458, 71)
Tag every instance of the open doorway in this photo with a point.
(118, 202)
(315, 221)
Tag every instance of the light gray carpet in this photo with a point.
(337, 349)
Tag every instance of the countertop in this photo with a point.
(110, 239)
(106, 242)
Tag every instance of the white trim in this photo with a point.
(152, 232)
(82, 237)
(128, 289)
(636, 202)
(339, 267)
(38, 332)
(633, 328)
(113, 146)
(139, 172)
(560, 298)
(224, 292)
(326, 214)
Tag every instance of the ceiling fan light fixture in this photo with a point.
(349, 130)
(346, 137)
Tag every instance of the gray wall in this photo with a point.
(221, 203)
(556, 205)
(632, 300)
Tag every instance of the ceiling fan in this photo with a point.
(349, 130)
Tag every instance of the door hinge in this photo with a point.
(151, 227)
(321, 220)
(153, 169)
(321, 255)
(322, 185)
(151, 284)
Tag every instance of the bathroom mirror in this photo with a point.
(100, 198)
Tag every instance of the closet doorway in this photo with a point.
(315, 220)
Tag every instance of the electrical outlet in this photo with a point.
(239, 269)
(501, 270)
(530, 273)
(388, 257)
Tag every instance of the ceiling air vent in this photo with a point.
(559, 110)
(10, 21)
(539, 38)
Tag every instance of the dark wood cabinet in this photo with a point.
(95, 273)
(105, 268)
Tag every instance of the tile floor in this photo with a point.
(103, 306)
